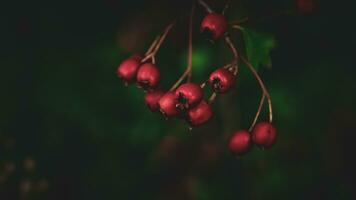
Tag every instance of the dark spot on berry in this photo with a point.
(217, 84)
(208, 34)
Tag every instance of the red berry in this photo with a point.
(214, 26)
(152, 98)
(264, 134)
(188, 95)
(222, 80)
(240, 142)
(148, 76)
(167, 104)
(127, 70)
(200, 114)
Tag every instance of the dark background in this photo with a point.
(69, 129)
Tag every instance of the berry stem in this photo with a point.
(258, 112)
(188, 72)
(158, 44)
(206, 6)
(212, 98)
(262, 85)
(153, 45)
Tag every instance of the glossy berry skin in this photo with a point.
(188, 95)
(152, 98)
(264, 134)
(167, 104)
(222, 80)
(200, 114)
(214, 26)
(148, 76)
(127, 70)
(240, 142)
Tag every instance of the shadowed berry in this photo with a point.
(127, 70)
(148, 76)
(213, 26)
(264, 134)
(188, 95)
(240, 142)
(222, 80)
(167, 104)
(200, 114)
(152, 98)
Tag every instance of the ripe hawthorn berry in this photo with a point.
(200, 114)
(264, 134)
(222, 80)
(167, 104)
(188, 95)
(127, 70)
(148, 76)
(214, 26)
(152, 98)
(240, 142)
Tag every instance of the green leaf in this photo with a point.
(258, 47)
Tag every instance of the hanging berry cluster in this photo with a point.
(186, 100)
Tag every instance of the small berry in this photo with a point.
(167, 104)
(148, 76)
(264, 134)
(127, 70)
(200, 114)
(188, 95)
(240, 142)
(222, 80)
(214, 26)
(152, 98)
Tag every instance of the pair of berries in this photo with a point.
(146, 75)
(186, 101)
(264, 135)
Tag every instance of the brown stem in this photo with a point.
(258, 111)
(212, 98)
(235, 53)
(158, 44)
(206, 6)
(262, 85)
(188, 72)
(153, 45)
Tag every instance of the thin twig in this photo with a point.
(159, 43)
(188, 72)
(153, 45)
(262, 85)
(258, 111)
(206, 6)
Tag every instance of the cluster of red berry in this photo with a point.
(186, 101)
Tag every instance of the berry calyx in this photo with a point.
(167, 104)
(127, 70)
(264, 134)
(222, 80)
(188, 95)
(240, 142)
(148, 76)
(200, 114)
(152, 98)
(214, 26)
